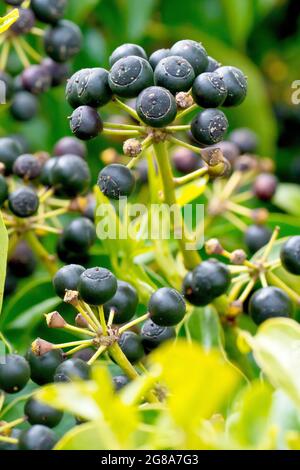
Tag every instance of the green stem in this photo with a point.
(276, 281)
(126, 108)
(134, 322)
(120, 132)
(6, 343)
(41, 252)
(120, 358)
(191, 257)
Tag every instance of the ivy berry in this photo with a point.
(209, 126)
(126, 50)
(38, 437)
(236, 84)
(290, 255)
(63, 41)
(129, 76)
(157, 56)
(70, 174)
(72, 369)
(124, 303)
(257, 236)
(208, 281)
(131, 345)
(209, 90)
(89, 87)
(14, 373)
(23, 202)
(156, 106)
(85, 123)
(97, 285)
(193, 52)
(79, 235)
(154, 335)
(39, 413)
(174, 73)
(43, 367)
(269, 302)
(166, 307)
(67, 278)
(27, 166)
(116, 181)
(48, 11)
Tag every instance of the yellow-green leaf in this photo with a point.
(89, 436)
(276, 348)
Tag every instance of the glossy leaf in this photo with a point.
(287, 197)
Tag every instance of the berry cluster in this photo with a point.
(165, 88)
(35, 191)
(105, 309)
(61, 42)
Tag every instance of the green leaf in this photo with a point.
(3, 258)
(239, 16)
(89, 436)
(250, 426)
(33, 315)
(79, 11)
(276, 348)
(138, 16)
(204, 326)
(287, 198)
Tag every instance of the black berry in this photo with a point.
(23, 262)
(63, 41)
(245, 139)
(209, 90)
(39, 413)
(9, 151)
(290, 255)
(27, 167)
(257, 236)
(57, 71)
(70, 257)
(24, 106)
(43, 367)
(154, 335)
(193, 52)
(166, 307)
(126, 50)
(79, 235)
(209, 126)
(265, 186)
(129, 76)
(185, 161)
(156, 106)
(14, 373)
(209, 280)
(46, 174)
(71, 175)
(124, 303)
(71, 146)
(36, 79)
(116, 181)
(157, 56)
(174, 73)
(49, 11)
(67, 278)
(97, 285)
(88, 87)
(236, 84)
(131, 345)
(24, 23)
(72, 369)
(23, 202)
(120, 381)
(212, 64)
(37, 438)
(86, 123)
(269, 302)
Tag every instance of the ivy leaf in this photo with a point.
(276, 349)
(287, 198)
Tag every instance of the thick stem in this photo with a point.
(191, 257)
(134, 322)
(120, 358)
